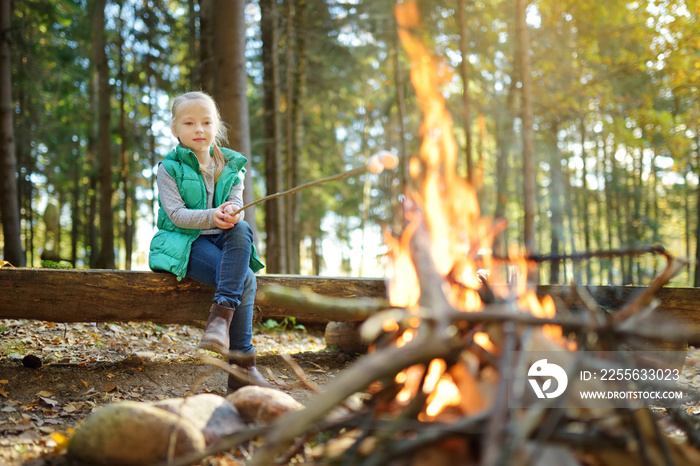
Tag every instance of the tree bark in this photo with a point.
(92, 233)
(207, 59)
(696, 280)
(556, 197)
(401, 117)
(224, 76)
(124, 157)
(25, 163)
(466, 98)
(298, 95)
(105, 259)
(121, 296)
(274, 210)
(9, 200)
(528, 134)
(504, 137)
(193, 60)
(75, 206)
(584, 201)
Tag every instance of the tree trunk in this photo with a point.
(290, 162)
(274, 210)
(584, 199)
(92, 232)
(293, 115)
(316, 248)
(601, 222)
(466, 99)
(22, 131)
(123, 155)
(225, 77)
(193, 60)
(528, 134)
(572, 214)
(504, 138)
(637, 226)
(696, 280)
(106, 256)
(75, 208)
(298, 99)
(401, 117)
(208, 60)
(608, 193)
(9, 200)
(556, 197)
(687, 238)
(624, 211)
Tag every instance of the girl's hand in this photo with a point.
(229, 210)
(222, 218)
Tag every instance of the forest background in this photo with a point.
(578, 122)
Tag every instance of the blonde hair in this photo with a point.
(220, 137)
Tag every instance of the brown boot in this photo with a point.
(215, 336)
(253, 375)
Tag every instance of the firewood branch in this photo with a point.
(606, 254)
(386, 362)
(340, 309)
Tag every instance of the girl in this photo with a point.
(200, 185)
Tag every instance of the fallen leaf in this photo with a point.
(110, 376)
(20, 427)
(109, 387)
(49, 401)
(3, 392)
(84, 383)
(29, 435)
(44, 393)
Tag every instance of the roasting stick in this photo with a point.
(376, 164)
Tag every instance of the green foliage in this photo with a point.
(618, 81)
(288, 323)
(48, 264)
(13, 349)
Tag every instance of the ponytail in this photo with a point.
(219, 161)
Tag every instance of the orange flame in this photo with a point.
(482, 339)
(460, 240)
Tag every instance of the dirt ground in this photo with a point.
(52, 376)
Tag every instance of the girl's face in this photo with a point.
(195, 127)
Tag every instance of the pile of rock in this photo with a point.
(134, 433)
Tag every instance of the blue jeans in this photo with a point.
(221, 261)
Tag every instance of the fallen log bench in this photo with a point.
(87, 295)
(121, 296)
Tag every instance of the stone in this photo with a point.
(132, 434)
(346, 337)
(262, 405)
(213, 415)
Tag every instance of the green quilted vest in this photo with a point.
(171, 245)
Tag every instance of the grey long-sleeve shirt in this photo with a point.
(195, 219)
